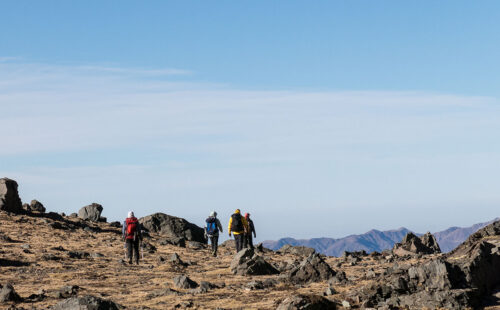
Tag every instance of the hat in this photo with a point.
(237, 211)
(130, 214)
(247, 215)
(213, 214)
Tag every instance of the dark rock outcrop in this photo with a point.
(411, 245)
(184, 282)
(245, 262)
(306, 302)
(37, 206)
(172, 227)
(9, 196)
(86, 303)
(7, 293)
(311, 269)
(91, 212)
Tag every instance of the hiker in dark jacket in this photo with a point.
(212, 231)
(248, 241)
(132, 236)
(238, 225)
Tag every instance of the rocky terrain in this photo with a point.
(53, 261)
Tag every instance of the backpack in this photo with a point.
(132, 224)
(211, 226)
(237, 223)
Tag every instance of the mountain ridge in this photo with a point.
(376, 240)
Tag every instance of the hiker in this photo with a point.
(248, 241)
(238, 226)
(132, 236)
(212, 231)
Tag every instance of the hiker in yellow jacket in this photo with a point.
(238, 225)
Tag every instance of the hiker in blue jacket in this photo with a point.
(212, 231)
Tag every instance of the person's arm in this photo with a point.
(229, 226)
(219, 225)
(124, 229)
(252, 227)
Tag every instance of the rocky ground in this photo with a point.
(48, 259)
(76, 262)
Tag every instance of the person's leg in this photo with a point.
(216, 244)
(250, 241)
(136, 251)
(239, 242)
(245, 241)
(129, 250)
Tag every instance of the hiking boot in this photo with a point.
(130, 262)
(214, 254)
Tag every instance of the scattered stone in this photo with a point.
(91, 212)
(309, 302)
(202, 288)
(296, 250)
(9, 196)
(115, 224)
(51, 257)
(329, 291)
(177, 241)
(173, 227)
(194, 245)
(176, 260)
(37, 206)
(78, 255)
(96, 255)
(86, 303)
(245, 262)
(7, 293)
(73, 215)
(65, 292)
(164, 292)
(346, 304)
(311, 269)
(184, 282)
(148, 247)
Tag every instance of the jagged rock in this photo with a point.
(296, 250)
(86, 303)
(411, 244)
(228, 244)
(9, 197)
(164, 292)
(339, 278)
(306, 302)
(177, 241)
(37, 206)
(176, 260)
(311, 269)
(203, 287)
(185, 282)
(194, 245)
(115, 224)
(245, 262)
(148, 247)
(91, 212)
(73, 215)
(65, 291)
(7, 293)
(173, 227)
(78, 255)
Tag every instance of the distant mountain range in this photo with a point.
(376, 240)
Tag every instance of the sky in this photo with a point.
(321, 119)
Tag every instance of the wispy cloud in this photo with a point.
(322, 150)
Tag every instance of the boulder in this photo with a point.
(7, 293)
(177, 241)
(9, 197)
(173, 227)
(296, 250)
(37, 206)
(245, 262)
(311, 269)
(411, 245)
(91, 212)
(185, 282)
(306, 302)
(86, 303)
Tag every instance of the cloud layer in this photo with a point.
(149, 140)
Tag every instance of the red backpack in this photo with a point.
(131, 228)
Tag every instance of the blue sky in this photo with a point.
(321, 118)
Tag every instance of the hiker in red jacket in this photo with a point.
(132, 235)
